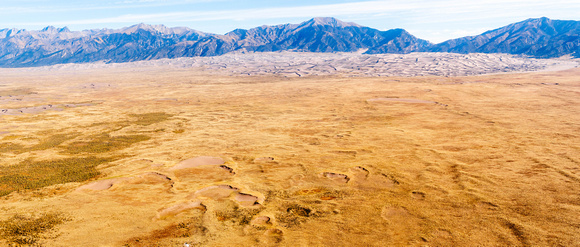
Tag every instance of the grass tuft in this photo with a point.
(178, 131)
(192, 227)
(236, 215)
(150, 118)
(24, 230)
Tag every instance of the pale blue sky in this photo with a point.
(434, 20)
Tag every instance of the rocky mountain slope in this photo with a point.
(543, 38)
(20, 48)
(142, 42)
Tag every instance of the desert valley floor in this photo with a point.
(164, 155)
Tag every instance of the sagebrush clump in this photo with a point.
(26, 230)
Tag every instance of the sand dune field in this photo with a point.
(174, 155)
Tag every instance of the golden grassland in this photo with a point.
(493, 161)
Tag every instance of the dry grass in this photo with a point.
(31, 174)
(187, 229)
(51, 142)
(146, 119)
(97, 143)
(495, 162)
(235, 215)
(103, 143)
(6, 147)
(22, 230)
(16, 92)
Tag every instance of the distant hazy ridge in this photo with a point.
(541, 38)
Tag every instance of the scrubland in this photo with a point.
(162, 156)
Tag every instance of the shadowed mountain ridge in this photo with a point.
(541, 37)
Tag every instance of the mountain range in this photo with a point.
(541, 37)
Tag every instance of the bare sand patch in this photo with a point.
(179, 208)
(262, 221)
(102, 184)
(149, 178)
(246, 200)
(198, 161)
(336, 177)
(215, 192)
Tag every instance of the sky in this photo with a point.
(433, 20)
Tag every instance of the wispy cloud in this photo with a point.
(135, 1)
(414, 10)
(458, 16)
(92, 6)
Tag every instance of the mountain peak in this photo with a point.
(9, 32)
(49, 29)
(536, 20)
(134, 28)
(154, 28)
(537, 37)
(64, 30)
(329, 21)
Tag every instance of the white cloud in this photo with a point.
(459, 16)
(55, 7)
(135, 1)
(417, 11)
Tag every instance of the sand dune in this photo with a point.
(299, 64)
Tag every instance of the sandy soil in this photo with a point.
(311, 161)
